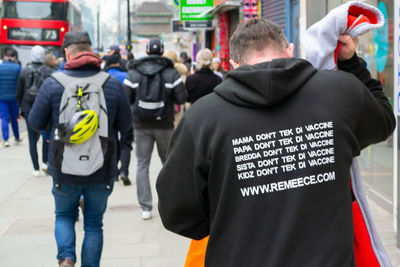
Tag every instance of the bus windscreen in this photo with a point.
(34, 10)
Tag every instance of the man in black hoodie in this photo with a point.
(153, 85)
(267, 175)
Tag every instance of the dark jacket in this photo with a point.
(201, 83)
(176, 92)
(25, 105)
(46, 108)
(267, 175)
(9, 73)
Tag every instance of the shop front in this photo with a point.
(378, 162)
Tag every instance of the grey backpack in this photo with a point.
(88, 157)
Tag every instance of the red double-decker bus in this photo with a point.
(25, 23)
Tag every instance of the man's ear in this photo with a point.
(234, 64)
(67, 54)
(290, 50)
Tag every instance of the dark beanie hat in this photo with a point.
(75, 37)
(155, 47)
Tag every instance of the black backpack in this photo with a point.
(150, 100)
(33, 81)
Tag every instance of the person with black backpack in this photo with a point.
(29, 82)
(153, 86)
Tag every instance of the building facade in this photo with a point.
(151, 19)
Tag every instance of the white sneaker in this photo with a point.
(44, 168)
(6, 144)
(146, 215)
(36, 174)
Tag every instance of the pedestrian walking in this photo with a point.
(125, 139)
(51, 61)
(9, 72)
(186, 60)
(217, 68)
(29, 82)
(204, 80)
(116, 51)
(86, 107)
(153, 86)
(113, 67)
(183, 71)
(269, 171)
(180, 67)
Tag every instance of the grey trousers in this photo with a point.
(144, 139)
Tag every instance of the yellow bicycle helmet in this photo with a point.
(81, 127)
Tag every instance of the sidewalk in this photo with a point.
(27, 222)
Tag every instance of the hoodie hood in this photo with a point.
(82, 59)
(265, 84)
(37, 54)
(151, 65)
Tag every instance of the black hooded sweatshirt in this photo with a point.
(267, 175)
(172, 83)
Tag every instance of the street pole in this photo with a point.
(129, 27)
(98, 25)
(119, 22)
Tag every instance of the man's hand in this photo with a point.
(348, 47)
(20, 115)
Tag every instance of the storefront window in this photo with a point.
(376, 48)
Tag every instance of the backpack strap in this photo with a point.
(41, 67)
(98, 79)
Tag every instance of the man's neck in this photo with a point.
(261, 56)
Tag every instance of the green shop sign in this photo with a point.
(196, 9)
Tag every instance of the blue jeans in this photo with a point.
(66, 202)
(9, 110)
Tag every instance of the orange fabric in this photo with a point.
(197, 253)
(363, 251)
(337, 51)
(356, 11)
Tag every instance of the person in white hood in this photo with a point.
(28, 86)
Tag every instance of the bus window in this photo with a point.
(77, 19)
(34, 10)
(74, 18)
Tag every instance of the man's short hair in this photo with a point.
(79, 47)
(113, 60)
(256, 35)
(11, 53)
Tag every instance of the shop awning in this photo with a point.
(206, 12)
(228, 5)
(224, 6)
